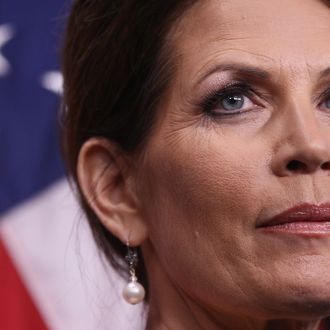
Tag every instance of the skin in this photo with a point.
(194, 197)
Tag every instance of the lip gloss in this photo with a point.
(304, 219)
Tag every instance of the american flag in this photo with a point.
(51, 276)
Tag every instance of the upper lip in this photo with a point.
(300, 213)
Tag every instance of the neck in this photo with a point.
(171, 308)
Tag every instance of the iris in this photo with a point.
(235, 102)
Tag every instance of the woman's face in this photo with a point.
(242, 135)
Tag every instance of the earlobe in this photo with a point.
(103, 176)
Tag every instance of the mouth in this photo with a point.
(308, 220)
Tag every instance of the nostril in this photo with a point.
(325, 166)
(296, 166)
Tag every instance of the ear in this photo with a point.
(106, 182)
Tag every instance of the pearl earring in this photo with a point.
(133, 292)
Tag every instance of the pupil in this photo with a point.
(235, 102)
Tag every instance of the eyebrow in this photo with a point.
(249, 71)
(239, 69)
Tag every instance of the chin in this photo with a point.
(304, 301)
(310, 309)
(302, 286)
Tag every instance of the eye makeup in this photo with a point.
(234, 98)
(233, 91)
(324, 100)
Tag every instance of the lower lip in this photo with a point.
(312, 229)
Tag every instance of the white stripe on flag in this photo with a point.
(52, 248)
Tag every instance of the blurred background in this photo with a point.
(51, 276)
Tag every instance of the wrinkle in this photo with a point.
(220, 55)
(229, 273)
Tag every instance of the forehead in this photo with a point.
(273, 34)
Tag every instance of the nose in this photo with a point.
(304, 147)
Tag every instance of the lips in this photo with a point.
(303, 218)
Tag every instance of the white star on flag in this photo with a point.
(53, 81)
(6, 33)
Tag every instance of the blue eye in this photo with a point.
(232, 102)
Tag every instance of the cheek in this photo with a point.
(195, 195)
(198, 183)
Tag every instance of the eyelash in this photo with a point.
(324, 96)
(211, 100)
(209, 103)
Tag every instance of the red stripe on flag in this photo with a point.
(17, 310)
